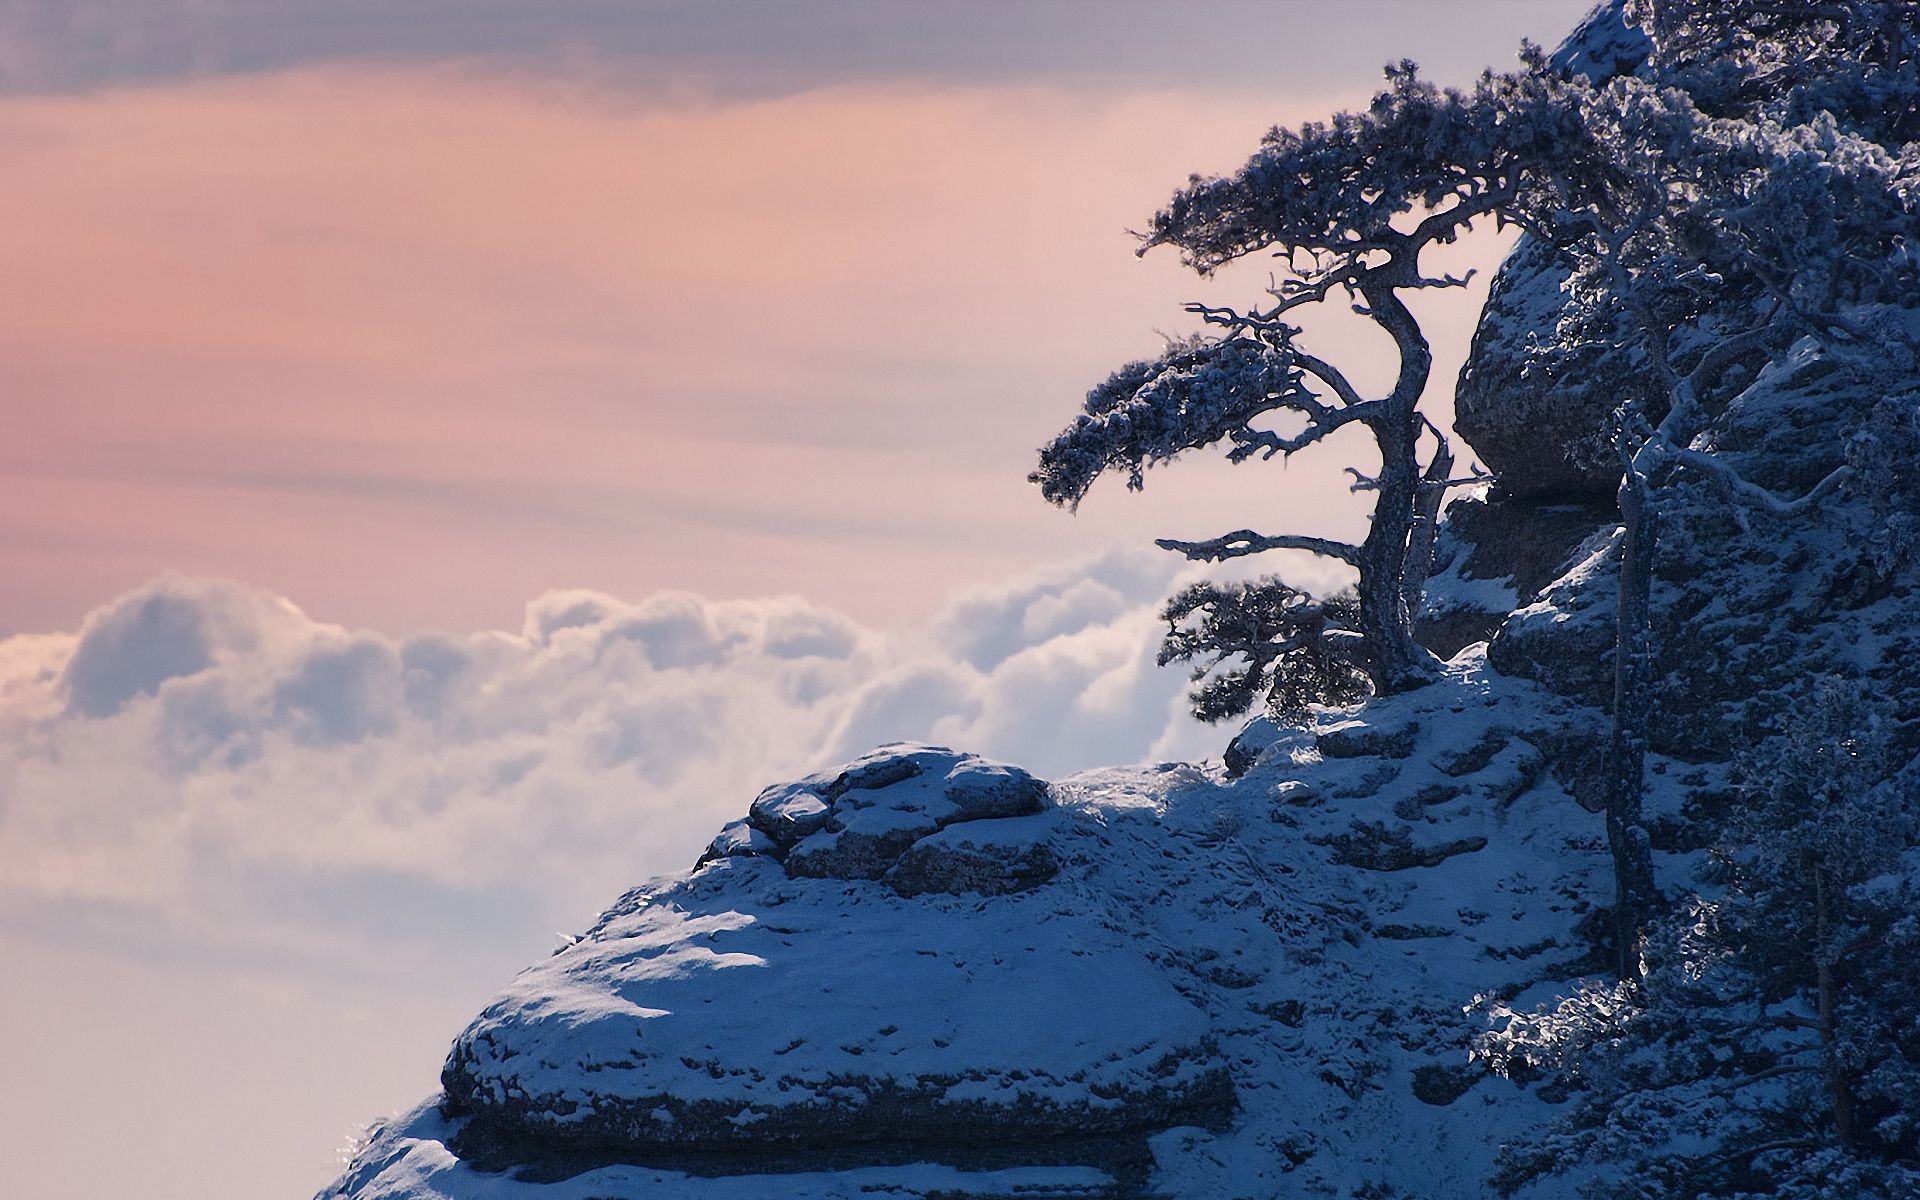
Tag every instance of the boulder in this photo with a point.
(1538, 412)
(1253, 740)
(857, 822)
(861, 844)
(737, 840)
(1358, 739)
(740, 1011)
(787, 812)
(988, 857)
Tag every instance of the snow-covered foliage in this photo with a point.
(1197, 392)
(1770, 1044)
(1263, 644)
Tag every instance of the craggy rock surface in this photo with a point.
(1745, 602)
(891, 816)
(1539, 415)
(1497, 553)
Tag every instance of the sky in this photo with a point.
(459, 452)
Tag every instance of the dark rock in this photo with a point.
(1442, 1083)
(856, 822)
(1253, 740)
(1564, 641)
(992, 858)
(738, 840)
(1358, 739)
(1295, 794)
(1374, 846)
(1474, 758)
(1496, 554)
(787, 812)
(982, 790)
(863, 844)
(1408, 933)
(1539, 413)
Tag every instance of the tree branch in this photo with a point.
(1321, 422)
(1243, 542)
(1752, 493)
(1330, 375)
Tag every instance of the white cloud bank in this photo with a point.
(202, 747)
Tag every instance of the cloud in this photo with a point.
(749, 49)
(206, 754)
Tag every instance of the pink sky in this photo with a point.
(413, 346)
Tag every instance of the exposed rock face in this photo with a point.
(1539, 411)
(1499, 553)
(742, 1011)
(1747, 604)
(819, 982)
(1538, 414)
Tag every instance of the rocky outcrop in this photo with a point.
(1747, 604)
(1538, 408)
(742, 1012)
(833, 978)
(1497, 553)
(1159, 984)
(1537, 412)
(891, 815)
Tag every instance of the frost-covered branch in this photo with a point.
(1753, 494)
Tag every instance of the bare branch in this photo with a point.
(1448, 222)
(1243, 542)
(1445, 281)
(1753, 494)
(1322, 421)
(1328, 374)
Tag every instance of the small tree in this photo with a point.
(1349, 208)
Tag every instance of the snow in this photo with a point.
(1198, 924)
(770, 995)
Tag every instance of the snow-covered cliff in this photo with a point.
(1206, 987)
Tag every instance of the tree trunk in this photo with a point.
(1399, 663)
(1635, 895)
(1839, 1087)
(1426, 527)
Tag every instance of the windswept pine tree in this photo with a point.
(1350, 209)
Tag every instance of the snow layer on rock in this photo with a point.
(740, 1006)
(861, 821)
